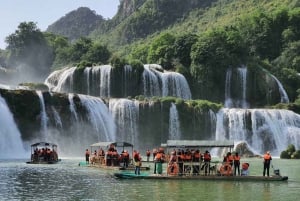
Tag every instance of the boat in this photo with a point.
(112, 156)
(145, 175)
(43, 153)
(199, 170)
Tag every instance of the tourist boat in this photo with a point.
(101, 158)
(192, 170)
(145, 175)
(43, 153)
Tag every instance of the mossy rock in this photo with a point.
(35, 86)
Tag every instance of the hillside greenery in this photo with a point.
(200, 39)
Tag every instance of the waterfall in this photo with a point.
(86, 72)
(99, 116)
(241, 101)
(283, 94)
(105, 81)
(101, 80)
(72, 106)
(158, 82)
(174, 124)
(263, 129)
(175, 84)
(127, 78)
(57, 119)
(150, 82)
(228, 101)
(126, 114)
(58, 80)
(243, 75)
(11, 145)
(43, 115)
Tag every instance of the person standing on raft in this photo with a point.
(267, 162)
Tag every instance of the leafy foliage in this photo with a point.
(28, 46)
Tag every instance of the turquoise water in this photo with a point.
(68, 181)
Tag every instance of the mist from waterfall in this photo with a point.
(174, 124)
(263, 129)
(126, 114)
(11, 145)
(100, 117)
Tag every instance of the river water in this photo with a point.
(69, 181)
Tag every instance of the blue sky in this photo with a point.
(46, 12)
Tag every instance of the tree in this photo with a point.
(97, 53)
(80, 48)
(29, 50)
(162, 50)
(182, 48)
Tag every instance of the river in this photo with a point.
(69, 181)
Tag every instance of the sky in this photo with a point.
(46, 12)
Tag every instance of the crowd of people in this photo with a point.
(111, 157)
(181, 161)
(44, 154)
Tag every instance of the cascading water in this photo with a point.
(87, 72)
(151, 82)
(228, 101)
(43, 115)
(100, 117)
(72, 106)
(175, 84)
(174, 124)
(241, 101)
(283, 94)
(263, 129)
(11, 145)
(126, 114)
(61, 80)
(243, 76)
(158, 82)
(58, 122)
(105, 81)
(127, 77)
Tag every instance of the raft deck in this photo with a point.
(131, 175)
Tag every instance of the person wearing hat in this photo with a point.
(267, 162)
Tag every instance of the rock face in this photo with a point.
(244, 150)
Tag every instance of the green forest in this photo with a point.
(200, 39)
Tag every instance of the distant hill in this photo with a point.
(139, 21)
(77, 23)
